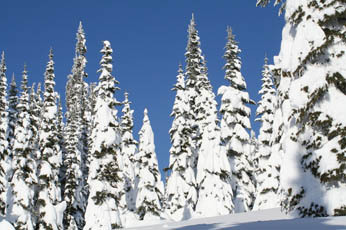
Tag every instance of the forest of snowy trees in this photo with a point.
(79, 167)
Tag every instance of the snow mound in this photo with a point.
(4, 225)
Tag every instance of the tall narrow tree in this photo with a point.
(77, 136)
(128, 151)
(50, 207)
(150, 186)
(12, 112)
(194, 69)
(24, 180)
(311, 85)
(267, 174)
(181, 188)
(235, 125)
(102, 211)
(213, 169)
(4, 154)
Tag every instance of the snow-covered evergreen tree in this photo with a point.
(150, 187)
(213, 169)
(194, 73)
(235, 125)
(102, 211)
(73, 216)
(50, 207)
(12, 112)
(23, 183)
(128, 151)
(267, 175)
(4, 154)
(311, 85)
(181, 188)
(77, 138)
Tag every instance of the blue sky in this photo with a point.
(149, 40)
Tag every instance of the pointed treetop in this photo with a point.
(39, 88)
(126, 101)
(50, 54)
(230, 35)
(265, 59)
(13, 81)
(32, 91)
(146, 118)
(180, 68)
(80, 27)
(2, 64)
(192, 25)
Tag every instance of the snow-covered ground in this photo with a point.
(270, 219)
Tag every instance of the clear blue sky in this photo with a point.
(148, 38)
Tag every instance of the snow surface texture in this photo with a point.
(269, 219)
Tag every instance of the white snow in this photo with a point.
(269, 219)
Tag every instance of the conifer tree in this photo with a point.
(235, 125)
(102, 211)
(194, 73)
(4, 154)
(50, 207)
(150, 186)
(213, 170)
(24, 180)
(267, 175)
(12, 112)
(128, 151)
(311, 86)
(181, 192)
(77, 136)
(73, 216)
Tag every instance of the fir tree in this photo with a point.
(102, 211)
(4, 154)
(50, 207)
(24, 180)
(311, 86)
(128, 151)
(235, 125)
(181, 186)
(150, 186)
(266, 172)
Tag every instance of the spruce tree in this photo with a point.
(12, 112)
(150, 186)
(267, 174)
(77, 136)
(4, 154)
(73, 216)
(128, 151)
(24, 180)
(50, 207)
(102, 211)
(235, 125)
(311, 85)
(213, 169)
(194, 69)
(181, 188)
